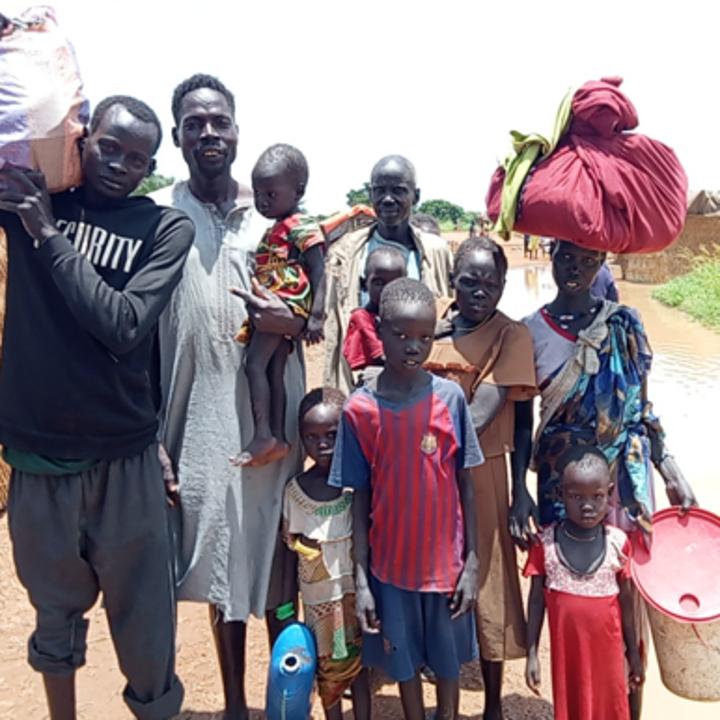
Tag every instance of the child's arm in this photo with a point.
(467, 586)
(632, 651)
(536, 616)
(315, 261)
(290, 539)
(364, 600)
(487, 401)
(523, 510)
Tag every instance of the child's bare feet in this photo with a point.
(261, 451)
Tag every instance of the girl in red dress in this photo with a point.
(580, 572)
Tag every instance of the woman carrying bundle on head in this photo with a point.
(592, 360)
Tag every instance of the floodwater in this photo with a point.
(684, 387)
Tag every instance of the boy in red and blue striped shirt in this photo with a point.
(405, 443)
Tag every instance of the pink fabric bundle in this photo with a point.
(42, 109)
(602, 188)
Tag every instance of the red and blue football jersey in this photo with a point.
(407, 455)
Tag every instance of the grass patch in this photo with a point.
(697, 293)
(449, 226)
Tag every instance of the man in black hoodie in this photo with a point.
(90, 270)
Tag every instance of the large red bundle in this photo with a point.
(602, 187)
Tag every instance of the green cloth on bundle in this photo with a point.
(527, 150)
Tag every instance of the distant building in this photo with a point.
(701, 234)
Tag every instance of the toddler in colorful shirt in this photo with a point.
(289, 262)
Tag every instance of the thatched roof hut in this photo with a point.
(700, 235)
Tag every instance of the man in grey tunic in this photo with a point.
(230, 516)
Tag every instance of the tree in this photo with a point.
(153, 183)
(359, 196)
(443, 211)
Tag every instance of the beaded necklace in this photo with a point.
(564, 320)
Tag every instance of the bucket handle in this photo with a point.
(702, 642)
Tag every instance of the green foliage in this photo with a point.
(153, 183)
(359, 196)
(450, 216)
(443, 211)
(697, 293)
(449, 226)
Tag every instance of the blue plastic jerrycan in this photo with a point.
(291, 674)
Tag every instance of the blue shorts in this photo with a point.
(416, 631)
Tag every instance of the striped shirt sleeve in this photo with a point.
(350, 467)
(469, 454)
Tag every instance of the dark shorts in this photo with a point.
(101, 530)
(417, 631)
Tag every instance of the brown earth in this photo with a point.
(100, 683)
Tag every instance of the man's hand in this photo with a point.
(466, 590)
(365, 611)
(315, 330)
(24, 193)
(268, 313)
(523, 514)
(171, 484)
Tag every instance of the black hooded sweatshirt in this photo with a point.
(77, 380)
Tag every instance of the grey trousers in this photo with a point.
(103, 530)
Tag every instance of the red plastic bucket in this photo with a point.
(679, 578)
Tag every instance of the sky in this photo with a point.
(440, 82)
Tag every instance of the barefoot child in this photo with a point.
(580, 571)
(317, 524)
(289, 261)
(362, 347)
(405, 445)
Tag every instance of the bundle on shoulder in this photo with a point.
(43, 111)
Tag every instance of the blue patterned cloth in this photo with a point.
(605, 409)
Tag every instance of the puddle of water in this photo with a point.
(684, 381)
(526, 289)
